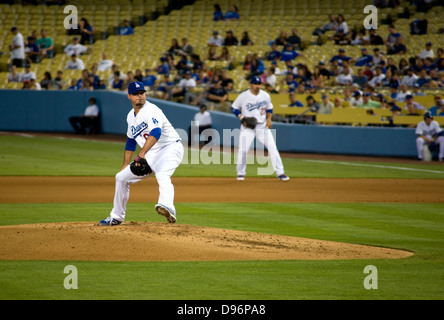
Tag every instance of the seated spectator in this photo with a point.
(224, 55)
(45, 83)
(364, 59)
(356, 99)
(27, 74)
(105, 63)
(393, 92)
(427, 52)
(403, 65)
(428, 65)
(325, 105)
(87, 85)
(13, 75)
(374, 38)
(270, 77)
(342, 24)
(377, 57)
(184, 85)
(218, 15)
(289, 83)
(361, 38)
(367, 102)
(410, 103)
(281, 40)
(75, 48)
(312, 104)
(186, 48)
(257, 67)
(212, 54)
(377, 79)
(32, 50)
(86, 32)
(230, 39)
(232, 14)
(294, 102)
(165, 85)
(392, 37)
(75, 63)
(288, 54)
(214, 97)
(245, 39)
(317, 78)
(215, 40)
(341, 38)
(174, 48)
(46, 45)
(341, 57)
(403, 92)
(360, 79)
(149, 79)
(423, 79)
(118, 82)
(410, 79)
(129, 79)
(331, 25)
(398, 48)
(126, 29)
(58, 82)
(274, 54)
(295, 40)
(87, 120)
(164, 67)
(345, 78)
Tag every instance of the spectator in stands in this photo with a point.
(45, 83)
(218, 15)
(398, 47)
(356, 98)
(427, 52)
(367, 102)
(403, 65)
(17, 48)
(117, 82)
(46, 45)
(126, 29)
(341, 24)
(423, 79)
(317, 78)
(289, 84)
(214, 97)
(392, 37)
(377, 79)
(27, 74)
(341, 38)
(295, 40)
(288, 53)
(281, 40)
(410, 79)
(312, 104)
(360, 78)
(344, 78)
(361, 38)
(294, 102)
(174, 48)
(230, 39)
(86, 32)
(87, 119)
(374, 38)
(75, 63)
(105, 63)
(326, 105)
(163, 67)
(441, 108)
(410, 103)
(245, 39)
(331, 25)
(184, 85)
(76, 48)
(32, 51)
(58, 82)
(13, 75)
(257, 67)
(129, 79)
(186, 48)
(403, 92)
(274, 54)
(215, 40)
(232, 14)
(391, 79)
(364, 59)
(162, 90)
(428, 65)
(341, 57)
(149, 79)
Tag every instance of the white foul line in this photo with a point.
(373, 166)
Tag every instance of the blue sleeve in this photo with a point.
(236, 112)
(156, 132)
(270, 111)
(131, 144)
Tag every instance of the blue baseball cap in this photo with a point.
(136, 86)
(256, 80)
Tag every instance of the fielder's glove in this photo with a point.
(140, 167)
(249, 122)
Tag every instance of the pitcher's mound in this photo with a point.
(149, 241)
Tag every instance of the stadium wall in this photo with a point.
(48, 111)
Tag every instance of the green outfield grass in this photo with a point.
(414, 227)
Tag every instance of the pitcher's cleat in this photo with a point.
(110, 222)
(164, 211)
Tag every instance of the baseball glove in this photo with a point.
(249, 122)
(140, 167)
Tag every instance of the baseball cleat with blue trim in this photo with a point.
(240, 178)
(283, 177)
(164, 211)
(110, 222)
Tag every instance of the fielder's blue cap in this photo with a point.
(256, 80)
(136, 86)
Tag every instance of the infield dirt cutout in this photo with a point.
(150, 241)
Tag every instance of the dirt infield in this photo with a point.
(137, 241)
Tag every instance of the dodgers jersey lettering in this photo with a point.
(251, 105)
(148, 118)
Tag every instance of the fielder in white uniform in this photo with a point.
(428, 131)
(160, 145)
(256, 103)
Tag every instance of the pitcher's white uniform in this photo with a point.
(257, 106)
(164, 157)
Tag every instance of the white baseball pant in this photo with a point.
(420, 143)
(263, 134)
(164, 162)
